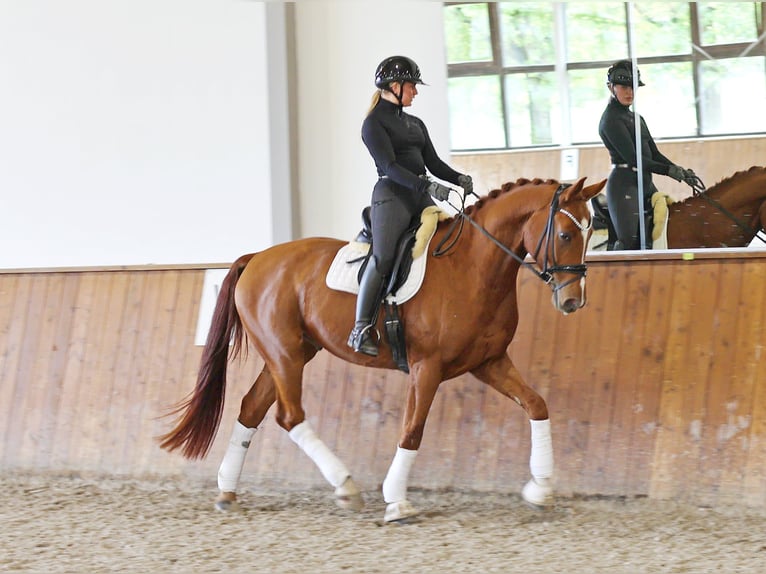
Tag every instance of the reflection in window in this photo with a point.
(727, 22)
(588, 95)
(533, 73)
(733, 95)
(595, 29)
(668, 116)
(664, 28)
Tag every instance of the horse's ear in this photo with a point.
(572, 193)
(578, 192)
(593, 190)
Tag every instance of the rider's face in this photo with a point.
(409, 91)
(624, 94)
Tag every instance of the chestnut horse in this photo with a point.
(461, 320)
(729, 214)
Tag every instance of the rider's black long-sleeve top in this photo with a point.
(401, 147)
(618, 132)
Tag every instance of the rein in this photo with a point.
(546, 240)
(699, 190)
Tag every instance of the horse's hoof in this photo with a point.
(399, 511)
(538, 493)
(348, 496)
(227, 506)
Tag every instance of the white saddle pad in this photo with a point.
(342, 275)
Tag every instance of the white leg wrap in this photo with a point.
(395, 484)
(234, 459)
(330, 465)
(541, 457)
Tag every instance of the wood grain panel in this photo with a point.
(654, 388)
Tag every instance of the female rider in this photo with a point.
(617, 131)
(402, 149)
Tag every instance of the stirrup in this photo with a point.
(362, 340)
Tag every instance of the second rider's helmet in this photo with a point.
(621, 72)
(397, 69)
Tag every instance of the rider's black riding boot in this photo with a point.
(362, 339)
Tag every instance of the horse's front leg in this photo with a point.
(253, 409)
(424, 381)
(501, 375)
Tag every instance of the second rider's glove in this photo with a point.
(466, 183)
(439, 191)
(676, 172)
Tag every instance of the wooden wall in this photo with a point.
(655, 388)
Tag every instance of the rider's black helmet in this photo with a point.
(621, 72)
(397, 69)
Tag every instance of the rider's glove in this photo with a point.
(439, 191)
(466, 183)
(689, 174)
(676, 172)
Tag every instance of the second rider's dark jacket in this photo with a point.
(401, 147)
(618, 132)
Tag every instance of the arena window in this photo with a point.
(527, 74)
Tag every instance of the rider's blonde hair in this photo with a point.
(374, 101)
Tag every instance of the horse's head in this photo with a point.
(556, 235)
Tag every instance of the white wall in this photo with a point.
(192, 131)
(338, 46)
(132, 132)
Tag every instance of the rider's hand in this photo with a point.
(689, 174)
(439, 191)
(466, 183)
(676, 172)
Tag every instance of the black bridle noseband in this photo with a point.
(545, 243)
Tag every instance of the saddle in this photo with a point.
(656, 219)
(410, 246)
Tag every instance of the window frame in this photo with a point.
(698, 53)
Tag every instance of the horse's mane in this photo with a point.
(505, 188)
(732, 179)
(724, 185)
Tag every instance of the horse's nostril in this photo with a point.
(570, 305)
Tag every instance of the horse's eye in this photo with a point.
(564, 236)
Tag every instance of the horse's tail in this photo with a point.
(202, 409)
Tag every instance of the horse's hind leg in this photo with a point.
(253, 409)
(502, 376)
(288, 376)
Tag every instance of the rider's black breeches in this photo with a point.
(394, 208)
(622, 200)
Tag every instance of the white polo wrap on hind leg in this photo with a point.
(395, 484)
(541, 456)
(329, 465)
(234, 459)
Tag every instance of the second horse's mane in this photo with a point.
(726, 183)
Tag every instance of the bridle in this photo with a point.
(545, 243)
(699, 190)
